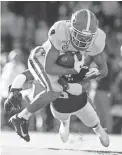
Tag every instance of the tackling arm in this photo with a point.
(93, 73)
(100, 61)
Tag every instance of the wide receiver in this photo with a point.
(80, 34)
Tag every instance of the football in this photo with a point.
(67, 59)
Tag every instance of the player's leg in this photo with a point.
(64, 119)
(90, 118)
(46, 93)
(20, 121)
(40, 100)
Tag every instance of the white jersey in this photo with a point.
(59, 36)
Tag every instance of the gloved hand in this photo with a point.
(75, 78)
(92, 74)
(72, 88)
(63, 82)
(12, 104)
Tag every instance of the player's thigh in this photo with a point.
(37, 88)
(36, 67)
(43, 99)
(88, 115)
(58, 115)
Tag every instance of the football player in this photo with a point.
(80, 34)
(79, 105)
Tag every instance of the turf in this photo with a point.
(50, 144)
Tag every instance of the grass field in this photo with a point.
(50, 144)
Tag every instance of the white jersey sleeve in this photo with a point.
(57, 33)
(98, 44)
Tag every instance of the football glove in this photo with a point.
(92, 74)
(12, 104)
(63, 82)
(70, 88)
(75, 78)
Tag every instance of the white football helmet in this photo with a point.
(84, 25)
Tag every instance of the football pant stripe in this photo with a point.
(38, 70)
(35, 72)
(38, 95)
(44, 75)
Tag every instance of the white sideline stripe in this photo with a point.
(89, 20)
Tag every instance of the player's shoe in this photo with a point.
(103, 136)
(21, 127)
(64, 130)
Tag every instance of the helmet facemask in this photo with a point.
(83, 39)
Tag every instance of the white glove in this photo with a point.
(93, 73)
(78, 64)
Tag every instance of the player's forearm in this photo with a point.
(101, 63)
(58, 70)
(103, 72)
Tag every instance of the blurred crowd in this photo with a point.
(25, 25)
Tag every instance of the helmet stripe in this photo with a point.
(89, 20)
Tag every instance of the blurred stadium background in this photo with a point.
(25, 25)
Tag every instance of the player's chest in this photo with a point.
(67, 46)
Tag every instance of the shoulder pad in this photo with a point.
(99, 43)
(57, 33)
